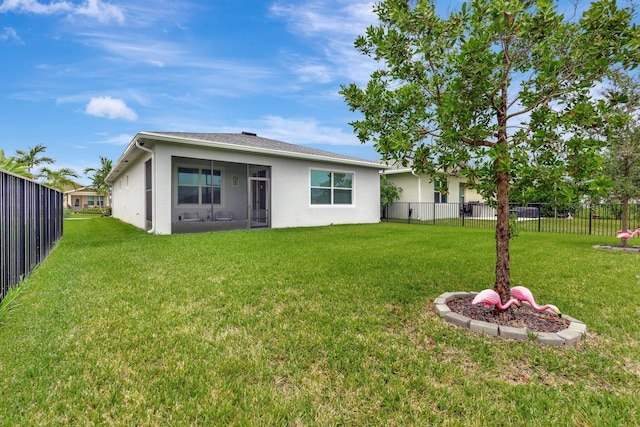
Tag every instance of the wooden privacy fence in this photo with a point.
(30, 224)
(578, 218)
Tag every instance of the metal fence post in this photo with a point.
(539, 217)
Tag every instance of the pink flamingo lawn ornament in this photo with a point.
(627, 234)
(523, 294)
(489, 297)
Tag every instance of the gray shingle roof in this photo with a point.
(251, 140)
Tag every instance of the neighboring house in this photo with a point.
(83, 198)
(173, 182)
(426, 194)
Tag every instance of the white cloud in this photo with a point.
(35, 7)
(310, 72)
(9, 33)
(121, 139)
(138, 50)
(332, 28)
(111, 108)
(313, 19)
(305, 132)
(103, 12)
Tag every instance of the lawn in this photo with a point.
(311, 326)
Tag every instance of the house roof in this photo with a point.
(82, 190)
(243, 142)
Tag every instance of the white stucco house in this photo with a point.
(84, 198)
(448, 196)
(174, 182)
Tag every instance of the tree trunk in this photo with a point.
(625, 218)
(501, 165)
(503, 276)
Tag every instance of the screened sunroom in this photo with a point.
(211, 195)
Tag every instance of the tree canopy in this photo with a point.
(498, 91)
(33, 157)
(60, 179)
(11, 164)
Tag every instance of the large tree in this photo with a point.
(622, 157)
(498, 91)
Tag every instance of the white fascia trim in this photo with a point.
(397, 171)
(115, 170)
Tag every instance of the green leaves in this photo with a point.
(99, 175)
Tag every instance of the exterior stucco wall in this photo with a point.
(162, 190)
(472, 195)
(409, 184)
(421, 189)
(128, 194)
(291, 197)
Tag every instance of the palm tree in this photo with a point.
(59, 179)
(32, 157)
(99, 175)
(11, 164)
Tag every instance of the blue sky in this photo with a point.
(83, 76)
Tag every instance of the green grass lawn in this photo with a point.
(311, 326)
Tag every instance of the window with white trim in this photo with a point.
(331, 188)
(199, 186)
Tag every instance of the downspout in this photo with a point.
(153, 177)
(419, 185)
(419, 190)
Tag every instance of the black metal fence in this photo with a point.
(30, 224)
(578, 218)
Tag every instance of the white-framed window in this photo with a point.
(90, 201)
(199, 186)
(441, 189)
(331, 188)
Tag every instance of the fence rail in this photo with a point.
(30, 224)
(579, 218)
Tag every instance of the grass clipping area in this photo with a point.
(313, 326)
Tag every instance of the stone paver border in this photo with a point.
(618, 248)
(576, 331)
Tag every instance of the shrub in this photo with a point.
(97, 211)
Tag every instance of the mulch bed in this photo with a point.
(523, 316)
